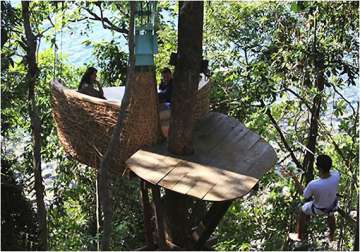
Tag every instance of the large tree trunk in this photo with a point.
(137, 124)
(186, 76)
(308, 163)
(186, 79)
(35, 126)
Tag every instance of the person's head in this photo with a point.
(324, 163)
(166, 75)
(89, 76)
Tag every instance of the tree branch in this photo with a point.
(107, 24)
(283, 139)
(342, 96)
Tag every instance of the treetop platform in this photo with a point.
(228, 161)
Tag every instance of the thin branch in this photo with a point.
(107, 24)
(118, 6)
(342, 96)
(298, 96)
(283, 139)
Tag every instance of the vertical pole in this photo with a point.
(97, 214)
(159, 217)
(211, 220)
(147, 215)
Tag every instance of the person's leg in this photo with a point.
(302, 220)
(332, 226)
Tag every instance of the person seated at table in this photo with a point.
(88, 82)
(165, 88)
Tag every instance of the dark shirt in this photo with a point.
(88, 89)
(165, 92)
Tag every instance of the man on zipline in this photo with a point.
(321, 198)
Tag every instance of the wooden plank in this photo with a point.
(174, 176)
(244, 164)
(201, 188)
(151, 166)
(226, 153)
(209, 134)
(261, 165)
(185, 184)
(197, 180)
(231, 186)
(228, 161)
(230, 157)
(190, 178)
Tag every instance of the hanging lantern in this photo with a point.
(145, 37)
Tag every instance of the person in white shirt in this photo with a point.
(321, 196)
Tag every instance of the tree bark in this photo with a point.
(186, 76)
(186, 79)
(31, 76)
(137, 124)
(356, 240)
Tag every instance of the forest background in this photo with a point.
(288, 71)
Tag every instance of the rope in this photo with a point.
(61, 36)
(55, 56)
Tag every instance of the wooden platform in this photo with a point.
(228, 161)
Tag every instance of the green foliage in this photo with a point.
(263, 55)
(17, 215)
(266, 54)
(167, 39)
(112, 61)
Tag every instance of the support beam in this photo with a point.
(159, 217)
(147, 215)
(211, 220)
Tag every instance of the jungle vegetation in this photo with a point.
(288, 71)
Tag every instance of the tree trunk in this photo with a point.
(137, 124)
(35, 126)
(356, 240)
(308, 163)
(186, 79)
(186, 76)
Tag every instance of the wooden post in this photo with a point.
(211, 220)
(147, 215)
(159, 217)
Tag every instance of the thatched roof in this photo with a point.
(84, 123)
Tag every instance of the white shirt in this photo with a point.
(323, 190)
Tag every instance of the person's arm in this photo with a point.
(101, 91)
(298, 185)
(288, 173)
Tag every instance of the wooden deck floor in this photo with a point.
(228, 161)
